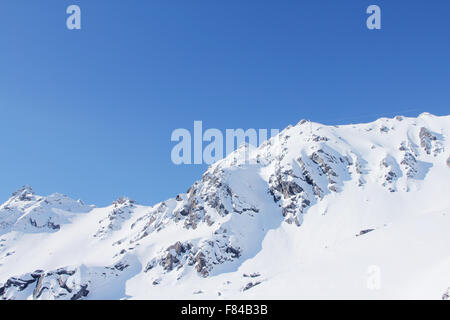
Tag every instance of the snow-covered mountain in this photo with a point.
(355, 211)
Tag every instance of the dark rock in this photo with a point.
(38, 290)
(236, 253)
(156, 282)
(446, 295)
(121, 266)
(363, 232)
(426, 137)
(179, 247)
(21, 284)
(250, 285)
(83, 292)
(64, 271)
(201, 264)
(252, 275)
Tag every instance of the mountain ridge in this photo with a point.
(260, 220)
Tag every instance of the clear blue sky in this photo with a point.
(89, 113)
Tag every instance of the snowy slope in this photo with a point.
(356, 211)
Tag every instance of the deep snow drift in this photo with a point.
(356, 211)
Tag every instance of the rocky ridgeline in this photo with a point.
(298, 181)
(121, 212)
(429, 142)
(67, 283)
(205, 202)
(202, 255)
(306, 180)
(293, 172)
(61, 284)
(27, 212)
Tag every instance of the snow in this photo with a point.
(319, 212)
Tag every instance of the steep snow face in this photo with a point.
(355, 211)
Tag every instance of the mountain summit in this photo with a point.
(353, 211)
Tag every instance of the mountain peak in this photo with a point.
(261, 222)
(426, 114)
(123, 201)
(24, 193)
